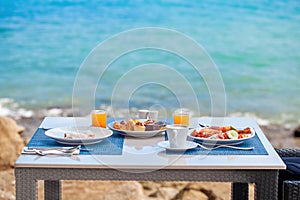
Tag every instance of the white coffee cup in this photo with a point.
(177, 135)
(148, 114)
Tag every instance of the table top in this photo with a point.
(144, 153)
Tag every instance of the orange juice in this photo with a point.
(182, 119)
(182, 116)
(99, 118)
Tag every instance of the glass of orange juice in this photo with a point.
(99, 118)
(182, 116)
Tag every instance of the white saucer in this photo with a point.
(166, 145)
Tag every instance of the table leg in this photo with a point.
(267, 186)
(52, 190)
(26, 185)
(239, 191)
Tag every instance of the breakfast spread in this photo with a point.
(139, 125)
(79, 135)
(223, 132)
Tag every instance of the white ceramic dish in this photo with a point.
(138, 134)
(58, 134)
(166, 145)
(208, 141)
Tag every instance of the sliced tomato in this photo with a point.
(222, 136)
(201, 134)
(225, 128)
(194, 133)
(247, 130)
(240, 136)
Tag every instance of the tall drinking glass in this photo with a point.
(99, 118)
(182, 116)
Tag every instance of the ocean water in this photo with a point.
(254, 44)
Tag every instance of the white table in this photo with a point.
(142, 159)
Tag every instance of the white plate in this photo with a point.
(189, 145)
(207, 141)
(138, 134)
(58, 134)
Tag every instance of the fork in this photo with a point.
(227, 146)
(68, 151)
(54, 152)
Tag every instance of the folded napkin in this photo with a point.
(292, 164)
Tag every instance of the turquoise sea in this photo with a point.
(254, 44)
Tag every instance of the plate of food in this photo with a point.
(142, 128)
(76, 135)
(221, 134)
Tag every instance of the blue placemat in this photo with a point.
(255, 142)
(112, 145)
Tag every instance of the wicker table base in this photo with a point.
(266, 181)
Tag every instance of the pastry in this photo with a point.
(117, 125)
(155, 125)
(129, 125)
(139, 126)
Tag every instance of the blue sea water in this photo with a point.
(255, 45)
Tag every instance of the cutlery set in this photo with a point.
(65, 151)
(224, 146)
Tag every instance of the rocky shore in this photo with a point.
(15, 133)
